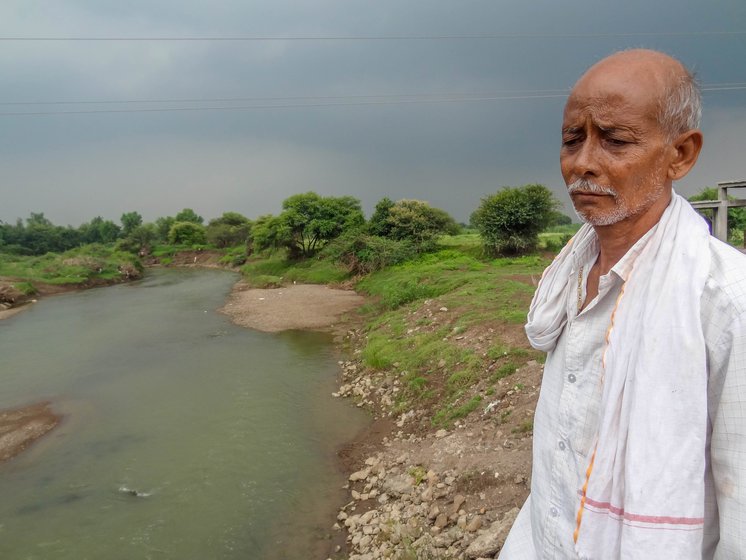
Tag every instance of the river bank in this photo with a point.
(20, 427)
(415, 490)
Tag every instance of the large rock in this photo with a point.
(492, 539)
(359, 475)
(397, 484)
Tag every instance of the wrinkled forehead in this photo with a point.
(613, 93)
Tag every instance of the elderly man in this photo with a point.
(640, 429)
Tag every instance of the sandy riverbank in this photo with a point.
(20, 427)
(301, 307)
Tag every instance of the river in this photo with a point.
(227, 435)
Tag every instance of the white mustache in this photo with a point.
(588, 186)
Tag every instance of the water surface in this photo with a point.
(226, 434)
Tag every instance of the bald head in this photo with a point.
(663, 80)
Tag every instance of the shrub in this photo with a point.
(229, 230)
(363, 254)
(187, 233)
(510, 220)
(411, 220)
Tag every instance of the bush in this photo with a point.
(230, 230)
(510, 220)
(187, 233)
(363, 254)
(411, 220)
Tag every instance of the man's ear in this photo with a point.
(687, 146)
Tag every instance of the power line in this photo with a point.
(321, 101)
(264, 103)
(465, 37)
(291, 98)
(284, 106)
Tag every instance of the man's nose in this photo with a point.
(585, 163)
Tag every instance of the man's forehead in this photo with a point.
(621, 86)
(610, 109)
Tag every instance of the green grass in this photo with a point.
(429, 276)
(78, 266)
(277, 270)
(504, 371)
(525, 428)
(26, 288)
(422, 347)
(450, 413)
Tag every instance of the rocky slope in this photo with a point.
(417, 491)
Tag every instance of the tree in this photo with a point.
(229, 230)
(140, 239)
(187, 233)
(268, 232)
(308, 221)
(163, 226)
(130, 220)
(378, 224)
(189, 215)
(37, 219)
(37, 237)
(415, 220)
(231, 219)
(99, 230)
(559, 219)
(510, 220)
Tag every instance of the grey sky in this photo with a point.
(74, 167)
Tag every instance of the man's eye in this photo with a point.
(617, 141)
(570, 142)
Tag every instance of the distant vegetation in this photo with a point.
(313, 238)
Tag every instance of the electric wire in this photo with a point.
(444, 37)
(294, 102)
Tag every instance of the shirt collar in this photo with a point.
(586, 253)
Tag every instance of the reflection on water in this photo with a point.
(184, 436)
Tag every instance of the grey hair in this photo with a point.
(680, 106)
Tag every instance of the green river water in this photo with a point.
(228, 434)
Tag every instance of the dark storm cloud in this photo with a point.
(76, 166)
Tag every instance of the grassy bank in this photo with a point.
(275, 270)
(448, 327)
(91, 264)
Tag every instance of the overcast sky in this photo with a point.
(443, 119)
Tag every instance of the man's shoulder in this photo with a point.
(726, 284)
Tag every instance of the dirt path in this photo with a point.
(301, 306)
(20, 427)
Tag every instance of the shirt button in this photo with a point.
(571, 378)
(562, 445)
(553, 512)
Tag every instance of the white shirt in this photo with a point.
(567, 413)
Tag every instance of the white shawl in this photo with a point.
(644, 497)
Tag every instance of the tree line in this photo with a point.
(309, 224)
